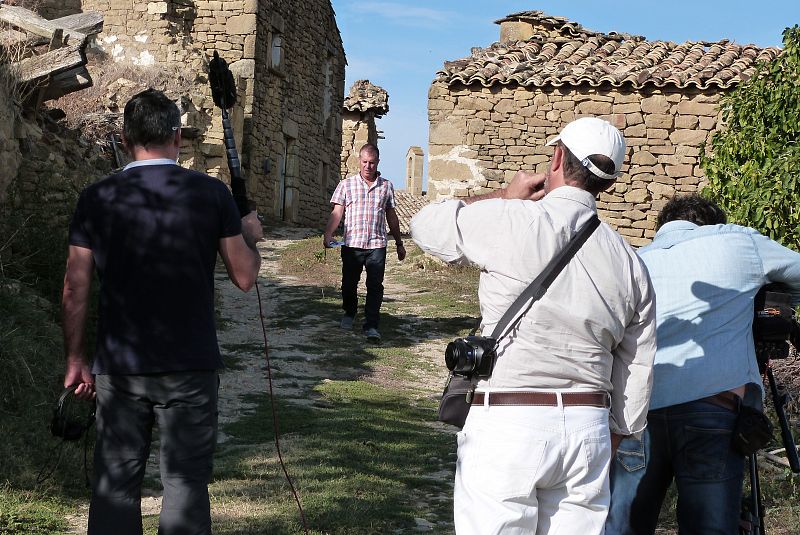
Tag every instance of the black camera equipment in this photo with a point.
(775, 332)
(223, 92)
(71, 420)
(65, 424)
(471, 355)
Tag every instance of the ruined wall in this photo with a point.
(144, 33)
(364, 104)
(357, 129)
(186, 33)
(10, 155)
(479, 137)
(289, 64)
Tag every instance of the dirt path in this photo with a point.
(295, 370)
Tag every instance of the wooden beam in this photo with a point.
(60, 60)
(89, 23)
(33, 23)
(67, 82)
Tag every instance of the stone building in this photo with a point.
(365, 103)
(492, 112)
(289, 63)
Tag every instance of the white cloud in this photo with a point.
(405, 14)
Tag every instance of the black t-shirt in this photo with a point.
(154, 232)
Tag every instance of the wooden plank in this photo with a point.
(67, 82)
(33, 23)
(60, 60)
(89, 23)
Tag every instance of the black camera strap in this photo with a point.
(540, 284)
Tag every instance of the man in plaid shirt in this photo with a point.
(366, 200)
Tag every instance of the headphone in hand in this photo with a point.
(64, 423)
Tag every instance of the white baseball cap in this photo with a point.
(587, 136)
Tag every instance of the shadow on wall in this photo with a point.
(53, 9)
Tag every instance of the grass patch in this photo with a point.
(30, 513)
(309, 261)
(30, 355)
(361, 466)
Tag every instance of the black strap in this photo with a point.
(540, 284)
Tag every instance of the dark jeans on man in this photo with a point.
(691, 443)
(185, 407)
(354, 261)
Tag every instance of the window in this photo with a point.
(276, 52)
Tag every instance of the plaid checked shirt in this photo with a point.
(364, 210)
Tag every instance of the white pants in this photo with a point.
(531, 469)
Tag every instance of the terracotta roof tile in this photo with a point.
(407, 206)
(562, 52)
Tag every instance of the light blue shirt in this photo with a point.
(705, 279)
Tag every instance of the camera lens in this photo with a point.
(459, 356)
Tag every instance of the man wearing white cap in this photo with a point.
(533, 457)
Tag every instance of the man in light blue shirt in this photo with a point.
(706, 274)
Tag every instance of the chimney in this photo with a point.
(515, 30)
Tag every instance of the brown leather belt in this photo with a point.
(726, 400)
(547, 399)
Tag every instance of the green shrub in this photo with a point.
(752, 168)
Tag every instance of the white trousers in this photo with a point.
(533, 470)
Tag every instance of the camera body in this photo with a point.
(775, 326)
(471, 356)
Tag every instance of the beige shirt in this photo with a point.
(595, 327)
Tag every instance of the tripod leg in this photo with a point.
(751, 517)
(755, 490)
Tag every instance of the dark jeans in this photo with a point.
(691, 443)
(353, 263)
(185, 407)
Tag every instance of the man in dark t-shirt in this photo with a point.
(152, 232)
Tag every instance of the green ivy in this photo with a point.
(753, 167)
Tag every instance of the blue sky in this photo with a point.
(400, 45)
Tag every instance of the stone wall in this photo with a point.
(297, 118)
(10, 155)
(286, 53)
(479, 137)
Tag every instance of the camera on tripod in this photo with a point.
(775, 332)
(471, 356)
(775, 327)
